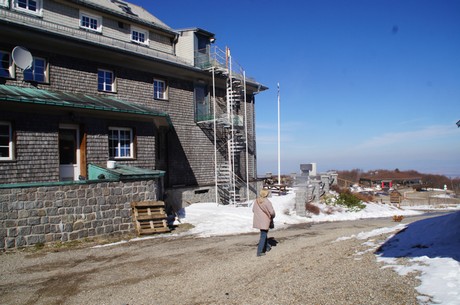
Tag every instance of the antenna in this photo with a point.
(22, 57)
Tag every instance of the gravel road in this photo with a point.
(307, 266)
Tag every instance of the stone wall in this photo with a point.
(69, 211)
(181, 197)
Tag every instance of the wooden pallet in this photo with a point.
(149, 217)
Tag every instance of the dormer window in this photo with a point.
(139, 36)
(90, 22)
(28, 6)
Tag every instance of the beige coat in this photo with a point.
(263, 213)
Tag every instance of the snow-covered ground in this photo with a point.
(432, 246)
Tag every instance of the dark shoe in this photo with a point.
(268, 249)
(261, 254)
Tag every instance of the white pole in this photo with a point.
(215, 131)
(279, 138)
(246, 135)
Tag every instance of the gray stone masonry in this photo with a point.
(43, 214)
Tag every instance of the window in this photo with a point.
(6, 65)
(159, 89)
(139, 36)
(29, 6)
(202, 106)
(38, 72)
(105, 81)
(4, 3)
(90, 22)
(6, 141)
(120, 143)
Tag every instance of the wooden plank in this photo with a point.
(152, 216)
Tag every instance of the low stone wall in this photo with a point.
(32, 215)
(181, 197)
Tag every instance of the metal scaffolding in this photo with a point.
(229, 128)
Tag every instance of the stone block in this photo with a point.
(20, 241)
(12, 232)
(38, 229)
(78, 225)
(24, 231)
(73, 236)
(23, 214)
(10, 243)
(35, 239)
(33, 221)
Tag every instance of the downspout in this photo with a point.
(246, 135)
(215, 131)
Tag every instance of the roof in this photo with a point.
(197, 30)
(122, 172)
(76, 101)
(127, 10)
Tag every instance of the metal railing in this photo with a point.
(215, 57)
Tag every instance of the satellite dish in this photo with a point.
(22, 57)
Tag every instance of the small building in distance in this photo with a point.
(394, 180)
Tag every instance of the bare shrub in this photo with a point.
(312, 208)
(364, 197)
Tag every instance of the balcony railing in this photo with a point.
(214, 57)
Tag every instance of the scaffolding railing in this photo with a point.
(213, 56)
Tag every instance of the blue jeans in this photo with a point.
(262, 247)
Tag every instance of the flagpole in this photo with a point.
(279, 138)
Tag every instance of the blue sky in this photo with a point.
(368, 84)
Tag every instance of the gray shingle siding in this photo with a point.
(35, 148)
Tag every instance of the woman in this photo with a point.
(263, 215)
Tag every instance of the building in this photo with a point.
(84, 82)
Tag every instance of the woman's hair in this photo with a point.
(264, 193)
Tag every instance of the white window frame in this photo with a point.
(140, 31)
(10, 142)
(38, 7)
(160, 95)
(35, 75)
(96, 18)
(4, 3)
(11, 70)
(118, 154)
(105, 86)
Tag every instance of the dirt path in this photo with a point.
(307, 266)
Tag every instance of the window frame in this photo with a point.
(91, 17)
(157, 94)
(35, 74)
(118, 149)
(11, 70)
(103, 87)
(5, 3)
(10, 146)
(206, 105)
(38, 7)
(139, 31)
